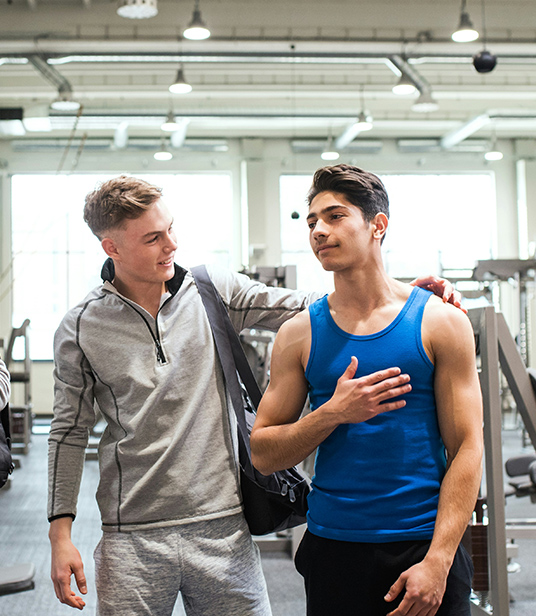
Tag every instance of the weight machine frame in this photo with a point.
(497, 347)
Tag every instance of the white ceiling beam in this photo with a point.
(313, 50)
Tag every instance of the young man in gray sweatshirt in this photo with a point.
(140, 347)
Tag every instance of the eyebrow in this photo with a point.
(156, 232)
(327, 209)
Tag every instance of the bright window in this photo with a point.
(436, 222)
(57, 260)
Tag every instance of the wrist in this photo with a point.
(60, 529)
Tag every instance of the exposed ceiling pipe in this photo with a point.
(465, 130)
(50, 74)
(404, 68)
(349, 134)
(121, 136)
(178, 136)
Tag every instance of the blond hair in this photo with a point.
(117, 200)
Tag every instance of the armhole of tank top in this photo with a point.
(418, 335)
(313, 343)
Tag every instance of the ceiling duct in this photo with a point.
(65, 100)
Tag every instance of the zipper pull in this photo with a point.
(159, 352)
(284, 489)
(292, 496)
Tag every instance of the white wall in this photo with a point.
(255, 166)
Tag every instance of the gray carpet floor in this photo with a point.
(23, 538)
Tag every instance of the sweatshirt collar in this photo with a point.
(173, 285)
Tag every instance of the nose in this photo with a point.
(320, 229)
(171, 242)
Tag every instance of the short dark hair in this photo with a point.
(360, 188)
(117, 200)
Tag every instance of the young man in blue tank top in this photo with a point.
(398, 465)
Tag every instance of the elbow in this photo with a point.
(259, 459)
(262, 466)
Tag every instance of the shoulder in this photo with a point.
(296, 326)
(438, 313)
(72, 316)
(446, 328)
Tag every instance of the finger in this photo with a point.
(393, 392)
(381, 376)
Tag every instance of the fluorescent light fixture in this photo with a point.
(465, 32)
(11, 121)
(404, 86)
(425, 103)
(36, 119)
(197, 29)
(170, 124)
(137, 9)
(180, 85)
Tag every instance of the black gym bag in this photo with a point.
(6, 461)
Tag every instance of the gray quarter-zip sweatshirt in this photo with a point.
(166, 456)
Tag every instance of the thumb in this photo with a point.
(395, 589)
(349, 373)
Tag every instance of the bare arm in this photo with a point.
(280, 439)
(66, 561)
(459, 409)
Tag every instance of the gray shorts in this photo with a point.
(214, 564)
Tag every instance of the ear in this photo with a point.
(110, 247)
(379, 223)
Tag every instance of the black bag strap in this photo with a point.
(4, 417)
(230, 351)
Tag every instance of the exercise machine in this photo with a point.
(496, 347)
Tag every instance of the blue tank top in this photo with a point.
(376, 481)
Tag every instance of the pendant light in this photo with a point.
(465, 33)
(180, 85)
(197, 29)
(329, 153)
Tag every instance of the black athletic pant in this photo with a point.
(344, 578)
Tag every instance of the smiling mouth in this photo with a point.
(166, 262)
(324, 247)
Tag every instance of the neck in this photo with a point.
(364, 288)
(146, 295)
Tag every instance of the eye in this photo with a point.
(311, 224)
(153, 239)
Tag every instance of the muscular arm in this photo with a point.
(459, 409)
(280, 438)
